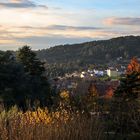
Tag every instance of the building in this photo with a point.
(111, 72)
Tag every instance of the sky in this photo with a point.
(46, 23)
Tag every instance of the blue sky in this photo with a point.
(46, 23)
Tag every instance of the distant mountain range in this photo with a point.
(95, 52)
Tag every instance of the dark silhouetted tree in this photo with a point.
(31, 63)
(34, 69)
(125, 108)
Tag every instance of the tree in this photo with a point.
(13, 82)
(6, 57)
(92, 98)
(129, 88)
(126, 106)
(34, 69)
(31, 63)
(134, 66)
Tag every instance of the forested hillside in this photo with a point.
(93, 52)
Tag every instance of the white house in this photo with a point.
(111, 72)
(82, 75)
(98, 73)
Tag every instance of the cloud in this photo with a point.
(51, 35)
(123, 21)
(46, 35)
(57, 30)
(52, 40)
(63, 27)
(20, 4)
(43, 37)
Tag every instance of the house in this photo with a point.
(111, 72)
(98, 73)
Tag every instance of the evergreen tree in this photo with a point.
(31, 63)
(13, 82)
(34, 69)
(125, 109)
(129, 88)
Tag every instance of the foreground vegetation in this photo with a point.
(67, 124)
(42, 125)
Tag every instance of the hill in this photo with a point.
(95, 52)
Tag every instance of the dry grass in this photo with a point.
(44, 125)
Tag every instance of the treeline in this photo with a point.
(93, 52)
(22, 79)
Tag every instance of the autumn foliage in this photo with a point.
(42, 124)
(134, 66)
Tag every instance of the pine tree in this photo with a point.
(35, 70)
(12, 80)
(125, 108)
(31, 63)
(129, 88)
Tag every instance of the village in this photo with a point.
(79, 83)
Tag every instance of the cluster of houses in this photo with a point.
(110, 72)
(79, 82)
